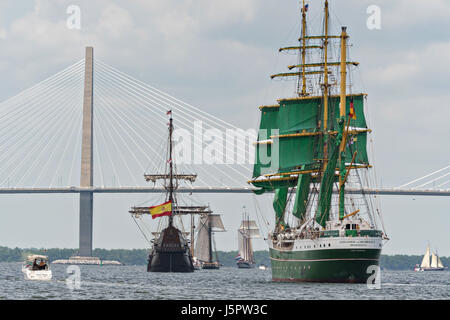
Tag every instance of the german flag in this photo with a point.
(161, 210)
(352, 113)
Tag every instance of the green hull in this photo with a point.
(325, 265)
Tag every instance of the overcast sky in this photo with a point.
(218, 55)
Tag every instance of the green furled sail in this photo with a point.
(301, 195)
(328, 178)
(279, 202)
(274, 184)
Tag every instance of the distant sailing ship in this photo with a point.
(205, 246)
(246, 232)
(171, 250)
(317, 144)
(434, 265)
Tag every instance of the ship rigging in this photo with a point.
(317, 143)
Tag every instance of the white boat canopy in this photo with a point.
(32, 257)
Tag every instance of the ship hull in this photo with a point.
(210, 265)
(433, 269)
(245, 265)
(170, 253)
(345, 263)
(169, 262)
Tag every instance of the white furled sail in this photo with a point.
(434, 263)
(426, 259)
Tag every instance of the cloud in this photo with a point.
(404, 13)
(429, 61)
(115, 22)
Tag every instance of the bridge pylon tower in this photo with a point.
(87, 165)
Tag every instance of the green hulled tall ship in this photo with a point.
(309, 149)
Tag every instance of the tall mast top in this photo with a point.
(308, 43)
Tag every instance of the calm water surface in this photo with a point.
(133, 282)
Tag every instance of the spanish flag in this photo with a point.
(161, 210)
(352, 109)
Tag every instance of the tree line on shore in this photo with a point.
(139, 257)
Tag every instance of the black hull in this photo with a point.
(245, 265)
(169, 262)
(210, 265)
(434, 269)
(170, 253)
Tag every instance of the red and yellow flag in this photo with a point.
(161, 210)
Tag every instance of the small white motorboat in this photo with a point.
(262, 267)
(197, 263)
(36, 267)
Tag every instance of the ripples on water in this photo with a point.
(133, 282)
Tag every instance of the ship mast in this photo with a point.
(343, 71)
(171, 186)
(210, 238)
(325, 88)
(303, 50)
(170, 168)
(192, 235)
(343, 101)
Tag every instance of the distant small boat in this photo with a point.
(246, 232)
(37, 267)
(197, 264)
(434, 265)
(262, 267)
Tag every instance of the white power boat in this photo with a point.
(197, 263)
(36, 267)
(262, 267)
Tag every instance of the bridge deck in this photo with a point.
(385, 191)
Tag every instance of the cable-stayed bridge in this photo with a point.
(94, 119)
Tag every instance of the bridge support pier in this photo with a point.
(86, 217)
(86, 181)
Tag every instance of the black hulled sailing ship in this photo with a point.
(171, 250)
(205, 245)
(317, 145)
